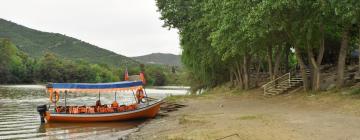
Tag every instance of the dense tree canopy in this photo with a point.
(231, 40)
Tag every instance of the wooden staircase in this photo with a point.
(283, 84)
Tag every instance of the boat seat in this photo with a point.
(121, 108)
(90, 110)
(95, 109)
(82, 109)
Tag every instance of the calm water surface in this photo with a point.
(20, 120)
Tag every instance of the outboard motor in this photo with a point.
(42, 109)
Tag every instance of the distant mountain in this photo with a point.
(160, 58)
(35, 43)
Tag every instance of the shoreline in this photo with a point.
(227, 114)
(162, 113)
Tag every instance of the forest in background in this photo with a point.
(17, 67)
(231, 40)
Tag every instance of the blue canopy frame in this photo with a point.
(124, 84)
(92, 87)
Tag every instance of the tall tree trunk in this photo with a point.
(316, 71)
(287, 53)
(239, 73)
(231, 76)
(302, 68)
(322, 46)
(317, 65)
(257, 73)
(236, 81)
(269, 56)
(246, 72)
(310, 71)
(316, 78)
(277, 61)
(359, 50)
(342, 57)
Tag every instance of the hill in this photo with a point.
(160, 58)
(35, 43)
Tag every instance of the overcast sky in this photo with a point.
(127, 27)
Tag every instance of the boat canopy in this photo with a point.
(94, 87)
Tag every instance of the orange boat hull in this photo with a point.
(146, 112)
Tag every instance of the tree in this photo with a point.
(347, 13)
(220, 37)
(12, 69)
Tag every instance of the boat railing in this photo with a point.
(107, 108)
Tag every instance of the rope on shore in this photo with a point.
(228, 136)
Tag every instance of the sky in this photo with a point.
(126, 27)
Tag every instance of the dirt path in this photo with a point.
(254, 117)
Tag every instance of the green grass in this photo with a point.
(355, 91)
(250, 117)
(186, 119)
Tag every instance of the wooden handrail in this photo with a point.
(282, 83)
(276, 82)
(272, 81)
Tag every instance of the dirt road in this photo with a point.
(251, 116)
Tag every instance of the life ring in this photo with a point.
(140, 95)
(57, 97)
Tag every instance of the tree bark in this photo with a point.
(231, 76)
(302, 68)
(342, 57)
(269, 56)
(257, 73)
(277, 61)
(359, 50)
(236, 81)
(287, 52)
(315, 71)
(246, 72)
(322, 46)
(316, 63)
(239, 72)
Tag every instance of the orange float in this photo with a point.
(57, 97)
(140, 94)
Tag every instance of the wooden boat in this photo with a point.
(144, 107)
(143, 112)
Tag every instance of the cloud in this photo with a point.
(127, 27)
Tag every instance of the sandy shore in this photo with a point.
(251, 116)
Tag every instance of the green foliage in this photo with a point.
(12, 68)
(204, 64)
(220, 38)
(17, 67)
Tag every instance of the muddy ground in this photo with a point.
(249, 115)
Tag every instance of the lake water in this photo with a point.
(20, 120)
